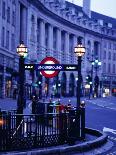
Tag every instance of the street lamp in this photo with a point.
(96, 64)
(22, 52)
(79, 51)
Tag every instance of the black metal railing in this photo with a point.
(37, 131)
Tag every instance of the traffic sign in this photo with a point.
(49, 61)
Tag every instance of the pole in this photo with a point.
(20, 101)
(91, 85)
(79, 82)
(78, 98)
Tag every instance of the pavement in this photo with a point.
(107, 102)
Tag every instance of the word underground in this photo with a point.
(50, 67)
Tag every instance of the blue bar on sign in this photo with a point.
(52, 67)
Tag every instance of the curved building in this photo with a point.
(54, 29)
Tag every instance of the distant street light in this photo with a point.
(96, 64)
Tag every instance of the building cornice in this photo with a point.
(40, 6)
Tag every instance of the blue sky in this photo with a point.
(106, 7)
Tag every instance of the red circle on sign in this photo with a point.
(46, 61)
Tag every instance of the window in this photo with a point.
(3, 36)
(38, 31)
(12, 42)
(70, 43)
(54, 38)
(46, 34)
(62, 41)
(8, 14)
(110, 45)
(113, 68)
(32, 28)
(109, 68)
(3, 10)
(104, 56)
(7, 39)
(105, 44)
(114, 56)
(114, 47)
(104, 67)
(109, 55)
(13, 18)
(13, 1)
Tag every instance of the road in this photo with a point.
(100, 115)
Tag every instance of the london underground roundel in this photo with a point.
(50, 73)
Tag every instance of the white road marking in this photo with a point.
(103, 105)
(109, 130)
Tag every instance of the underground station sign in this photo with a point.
(50, 67)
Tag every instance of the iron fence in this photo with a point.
(37, 131)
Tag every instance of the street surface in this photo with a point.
(100, 114)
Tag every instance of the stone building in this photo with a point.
(52, 28)
(12, 29)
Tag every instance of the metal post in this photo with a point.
(79, 82)
(21, 101)
(91, 85)
(78, 97)
(83, 122)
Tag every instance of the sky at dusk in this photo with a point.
(105, 7)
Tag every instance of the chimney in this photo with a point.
(86, 7)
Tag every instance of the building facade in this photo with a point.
(12, 30)
(52, 28)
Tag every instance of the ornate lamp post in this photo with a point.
(22, 52)
(79, 51)
(80, 127)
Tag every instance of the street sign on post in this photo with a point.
(50, 67)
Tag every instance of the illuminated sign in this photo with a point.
(50, 67)
(49, 70)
